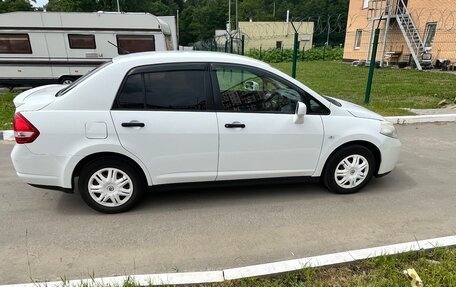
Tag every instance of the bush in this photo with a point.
(286, 55)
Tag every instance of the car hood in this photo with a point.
(359, 111)
(36, 98)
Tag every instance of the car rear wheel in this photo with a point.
(349, 169)
(110, 185)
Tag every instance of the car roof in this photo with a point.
(150, 58)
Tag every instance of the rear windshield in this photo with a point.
(81, 79)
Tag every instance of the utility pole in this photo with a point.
(118, 6)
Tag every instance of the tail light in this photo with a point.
(24, 131)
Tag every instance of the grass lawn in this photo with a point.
(392, 88)
(436, 268)
(6, 111)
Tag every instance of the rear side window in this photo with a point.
(79, 41)
(15, 44)
(164, 90)
(132, 94)
(135, 43)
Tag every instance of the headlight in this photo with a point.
(388, 129)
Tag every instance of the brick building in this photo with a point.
(411, 31)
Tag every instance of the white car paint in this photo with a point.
(177, 146)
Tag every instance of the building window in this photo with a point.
(78, 41)
(135, 43)
(366, 4)
(279, 44)
(15, 44)
(358, 36)
(429, 35)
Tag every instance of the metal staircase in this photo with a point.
(410, 32)
(387, 10)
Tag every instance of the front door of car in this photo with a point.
(258, 135)
(161, 115)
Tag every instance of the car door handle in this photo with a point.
(133, 124)
(234, 125)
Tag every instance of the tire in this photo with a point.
(350, 177)
(66, 80)
(98, 189)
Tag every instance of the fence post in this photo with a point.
(261, 56)
(295, 52)
(226, 46)
(231, 44)
(372, 67)
(243, 44)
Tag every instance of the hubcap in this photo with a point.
(67, 82)
(351, 171)
(110, 187)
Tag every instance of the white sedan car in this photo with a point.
(152, 119)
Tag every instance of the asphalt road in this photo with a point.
(47, 235)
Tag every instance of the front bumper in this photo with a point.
(389, 150)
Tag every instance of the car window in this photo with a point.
(164, 90)
(247, 91)
(132, 94)
(175, 90)
(242, 89)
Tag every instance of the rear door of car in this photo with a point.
(164, 115)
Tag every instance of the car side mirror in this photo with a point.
(301, 110)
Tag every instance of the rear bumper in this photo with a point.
(389, 150)
(34, 169)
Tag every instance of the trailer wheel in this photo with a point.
(66, 80)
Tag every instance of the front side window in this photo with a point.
(164, 90)
(430, 34)
(135, 43)
(80, 41)
(245, 90)
(15, 44)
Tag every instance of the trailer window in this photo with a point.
(79, 41)
(135, 43)
(15, 44)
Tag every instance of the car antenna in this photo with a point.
(121, 49)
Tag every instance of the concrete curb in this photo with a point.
(253, 270)
(403, 120)
(8, 135)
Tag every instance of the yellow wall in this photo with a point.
(443, 12)
(266, 34)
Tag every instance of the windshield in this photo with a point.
(81, 79)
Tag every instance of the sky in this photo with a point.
(40, 3)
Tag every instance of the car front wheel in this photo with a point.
(110, 186)
(349, 169)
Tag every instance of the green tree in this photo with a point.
(15, 5)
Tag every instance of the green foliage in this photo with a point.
(15, 5)
(286, 55)
(6, 110)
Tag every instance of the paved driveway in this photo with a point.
(49, 235)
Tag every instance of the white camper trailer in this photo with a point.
(39, 48)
